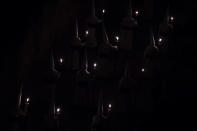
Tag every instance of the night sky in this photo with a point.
(30, 28)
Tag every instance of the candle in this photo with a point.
(160, 39)
(86, 33)
(27, 100)
(95, 65)
(143, 70)
(172, 19)
(136, 12)
(109, 107)
(58, 110)
(103, 11)
(117, 38)
(61, 60)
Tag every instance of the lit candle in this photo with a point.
(160, 40)
(109, 107)
(58, 110)
(86, 32)
(136, 12)
(143, 70)
(103, 11)
(27, 100)
(117, 38)
(171, 18)
(95, 65)
(61, 60)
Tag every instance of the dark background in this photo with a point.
(23, 19)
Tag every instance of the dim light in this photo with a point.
(136, 12)
(61, 60)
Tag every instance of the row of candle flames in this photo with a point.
(58, 110)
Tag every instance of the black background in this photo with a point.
(18, 17)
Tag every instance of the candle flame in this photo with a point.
(160, 40)
(136, 12)
(58, 110)
(117, 38)
(61, 60)
(95, 65)
(103, 11)
(172, 18)
(87, 32)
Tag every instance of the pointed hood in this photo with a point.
(167, 15)
(53, 73)
(76, 41)
(92, 18)
(52, 61)
(152, 38)
(85, 62)
(20, 96)
(104, 35)
(100, 103)
(130, 11)
(129, 21)
(76, 29)
(83, 75)
(105, 45)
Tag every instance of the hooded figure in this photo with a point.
(105, 68)
(151, 55)
(76, 41)
(98, 118)
(127, 30)
(83, 75)
(105, 46)
(166, 27)
(92, 25)
(76, 44)
(53, 75)
(126, 80)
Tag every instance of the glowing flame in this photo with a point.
(143, 70)
(117, 38)
(110, 106)
(61, 60)
(103, 11)
(95, 65)
(136, 12)
(172, 18)
(58, 110)
(86, 32)
(27, 100)
(160, 40)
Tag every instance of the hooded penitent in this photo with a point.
(127, 30)
(92, 24)
(76, 41)
(83, 75)
(166, 27)
(105, 46)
